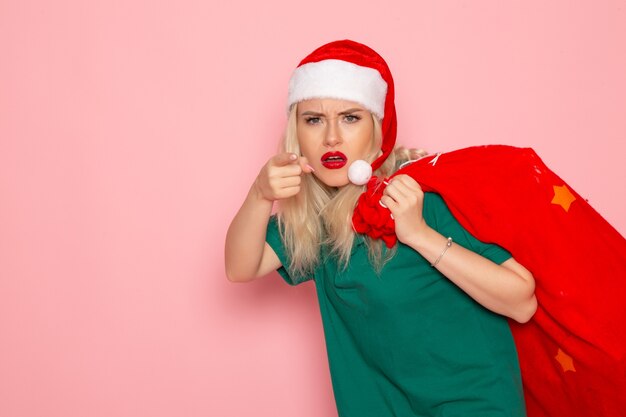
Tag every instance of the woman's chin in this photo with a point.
(333, 179)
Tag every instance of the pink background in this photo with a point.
(130, 132)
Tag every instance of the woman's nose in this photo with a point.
(332, 136)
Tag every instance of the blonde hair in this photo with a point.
(322, 215)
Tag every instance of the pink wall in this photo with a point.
(131, 130)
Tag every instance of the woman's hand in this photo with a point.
(281, 176)
(405, 199)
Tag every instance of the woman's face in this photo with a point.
(332, 134)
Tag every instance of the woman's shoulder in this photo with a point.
(434, 203)
(436, 211)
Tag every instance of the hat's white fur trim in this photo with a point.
(334, 78)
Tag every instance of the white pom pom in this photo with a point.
(359, 172)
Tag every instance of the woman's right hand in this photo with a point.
(247, 255)
(281, 176)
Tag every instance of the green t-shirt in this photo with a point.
(410, 342)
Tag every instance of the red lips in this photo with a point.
(334, 160)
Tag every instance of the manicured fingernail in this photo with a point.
(293, 156)
(310, 167)
(381, 203)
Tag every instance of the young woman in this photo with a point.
(419, 329)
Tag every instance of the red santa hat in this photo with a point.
(349, 70)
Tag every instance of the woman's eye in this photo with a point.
(352, 118)
(312, 120)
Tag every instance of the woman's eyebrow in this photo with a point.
(313, 113)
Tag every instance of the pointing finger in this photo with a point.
(284, 158)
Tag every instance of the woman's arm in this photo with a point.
(247, 255)
(507, 289)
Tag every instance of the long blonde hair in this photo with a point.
(322, 215)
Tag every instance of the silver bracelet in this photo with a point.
(448, 244)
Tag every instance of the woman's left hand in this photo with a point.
(405, 199)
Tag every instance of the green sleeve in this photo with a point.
(438, 216)
(275, 241)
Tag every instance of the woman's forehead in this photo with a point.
(328, 105)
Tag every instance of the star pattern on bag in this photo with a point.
(563, 197)
(565, 360)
